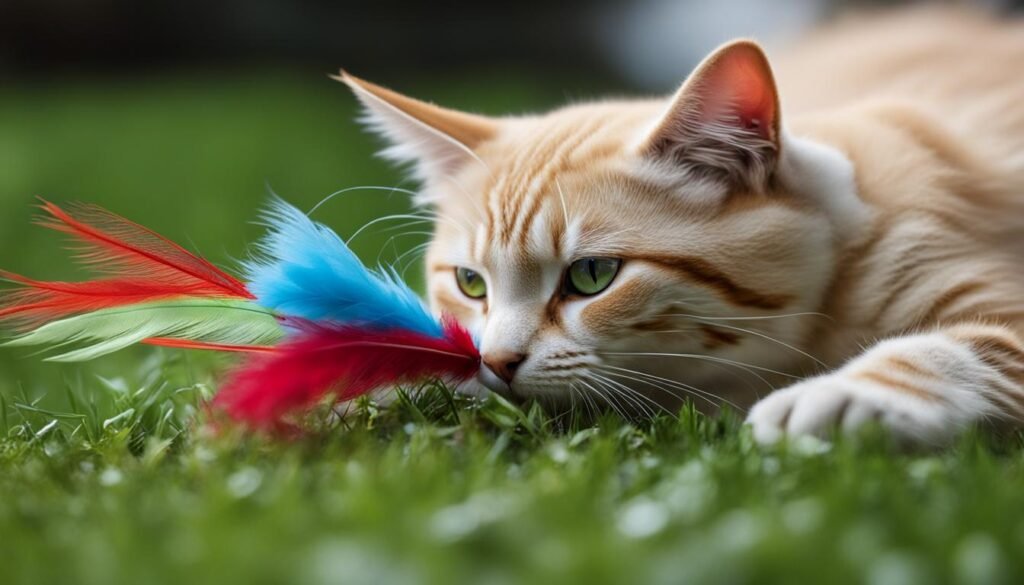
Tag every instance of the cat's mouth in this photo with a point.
(493, 383)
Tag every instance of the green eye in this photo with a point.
(471, 283)
(589, 276)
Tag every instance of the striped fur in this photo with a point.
(860, 254)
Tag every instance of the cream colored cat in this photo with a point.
(853, 238)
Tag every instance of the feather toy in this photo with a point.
(217, 321)
(138, 265)
(326, 357)
(307, 271)
(313, 321)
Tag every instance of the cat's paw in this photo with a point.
(840, 403)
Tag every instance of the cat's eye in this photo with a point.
(471, 283)
(589, 276)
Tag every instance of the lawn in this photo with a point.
(110, 474)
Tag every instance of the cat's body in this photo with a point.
(858, 247)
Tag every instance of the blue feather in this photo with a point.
(308, 271)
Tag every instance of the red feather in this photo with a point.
(190, 344)
(141, 266)
(346, 360)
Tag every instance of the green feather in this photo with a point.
(211, 320)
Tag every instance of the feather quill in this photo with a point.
(201, 321)
(307, 271)
(138, 266)
(348, 361)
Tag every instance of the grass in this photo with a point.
(109, 472)
(126, 485)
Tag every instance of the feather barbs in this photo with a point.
(138, 266)
(313, 320)
(117, 245)
(326, 358)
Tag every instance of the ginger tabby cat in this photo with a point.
(850, 236)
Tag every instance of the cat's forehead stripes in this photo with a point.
(537, 184)
(525, 186)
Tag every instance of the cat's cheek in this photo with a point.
(469, 313)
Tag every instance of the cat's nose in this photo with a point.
(503, 363)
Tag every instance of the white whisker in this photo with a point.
(606, 398)
(749, 318)
(631, 391)
(675, 383)
(772, 339)
(697, 356)
(361, 187)
(565, 209)
(378, 220)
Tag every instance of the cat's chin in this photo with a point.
(493, 383)
(517, 392)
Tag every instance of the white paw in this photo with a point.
(837, 403)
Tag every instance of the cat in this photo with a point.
(847, 238)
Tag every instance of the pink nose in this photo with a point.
(503, 363)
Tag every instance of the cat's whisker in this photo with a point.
(467, 195)
(607, 399)
(595, 408)
(407, 225)
(659, 387)
(606, 396)
(391, 242)
(436, 215)
(574, 391)
(413, 253)
(706, 395)
(754, 332)
(591, 410)
(697, 356)
(732, 372)
(565, 208)
(625, 406)
(639, 396)
(360, 188)
(590, 395)
(690, 389)
(767, 337)
(572, 398)
(614, 371)
(749, 318)
(417, 219)
(746, 382)
(627, 401)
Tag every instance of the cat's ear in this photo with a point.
(435, 139)
(723, 123)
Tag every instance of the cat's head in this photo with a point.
(580, 244)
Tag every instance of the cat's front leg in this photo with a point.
(924, 388)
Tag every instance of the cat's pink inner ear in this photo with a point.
(735, 85)
(724, 121)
